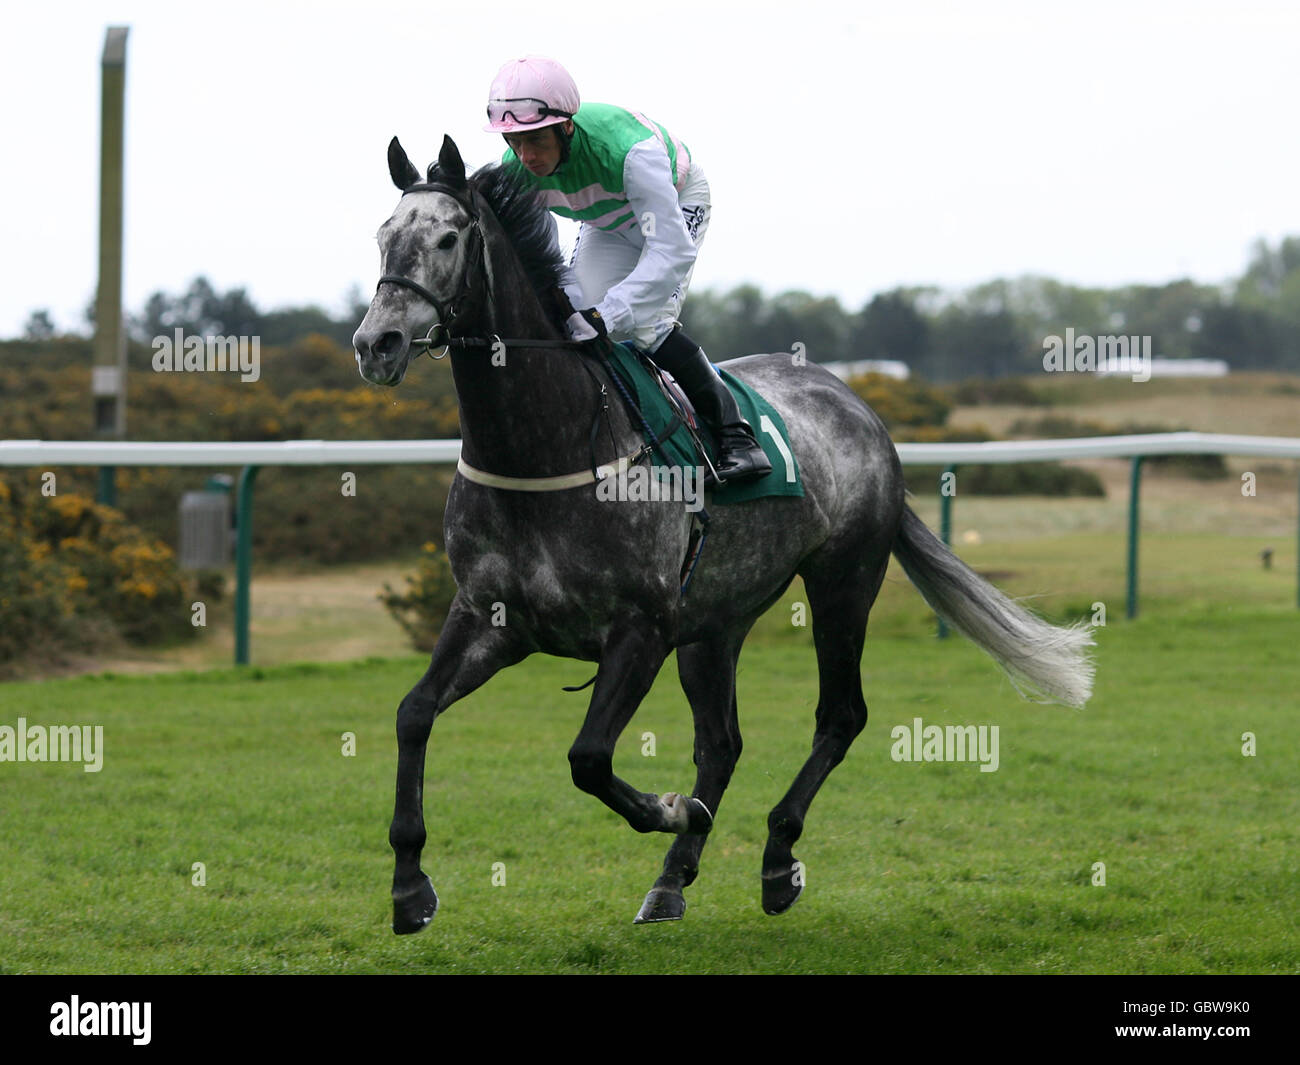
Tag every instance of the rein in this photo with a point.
(439, 336)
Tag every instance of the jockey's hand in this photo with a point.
(587, 327)
(593, 319)
(594, 322)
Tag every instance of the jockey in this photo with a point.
(643, 205)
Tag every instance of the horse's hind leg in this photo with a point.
(628, 666)
(469, 651)
(708, 675)
(840, 602)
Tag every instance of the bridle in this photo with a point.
(442, 328)
(439, 335)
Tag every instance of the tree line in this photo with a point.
(995, 329)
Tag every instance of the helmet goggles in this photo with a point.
(522, 111)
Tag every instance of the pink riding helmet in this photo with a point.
(530, 93)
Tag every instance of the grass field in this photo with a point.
(911, 867)
(1262, 404)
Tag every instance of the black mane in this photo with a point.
(526, 221)
(524, 218)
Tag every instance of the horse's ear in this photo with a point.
(400, 167)
(451, 167)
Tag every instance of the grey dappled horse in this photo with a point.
(599, 580)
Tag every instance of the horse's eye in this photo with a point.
(447, 243)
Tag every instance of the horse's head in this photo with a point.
(427, 254)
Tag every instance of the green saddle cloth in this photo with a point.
(679, 449)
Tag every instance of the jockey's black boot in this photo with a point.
(740, 458)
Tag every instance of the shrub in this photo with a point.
(910, 402)
(299, 513)
(1031, 479)
(422, 609)
(1010, 391)
(75, 574)
(1011, 479)
(36, 599)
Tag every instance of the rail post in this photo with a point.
(947, 478)
(243, 560)
(1134, 522)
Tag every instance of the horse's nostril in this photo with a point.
(389, 344)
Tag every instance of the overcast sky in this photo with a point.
(850, 148)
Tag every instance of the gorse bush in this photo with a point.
(902, 403)
(75, 575)
(422, 609)
(915, 412)
(36, 592)
(113, 568)
(300, 513)
(1009, 479)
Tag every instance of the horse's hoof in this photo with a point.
(414, 909)
(781, 890)
(661, 904)
(686, 815)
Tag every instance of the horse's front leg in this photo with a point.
(627, 670)
(469, 651)
(708, 674)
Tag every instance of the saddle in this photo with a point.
(671, 428)
(684, 409)
(678, 437)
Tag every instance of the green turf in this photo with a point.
(911, 867)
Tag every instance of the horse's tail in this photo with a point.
(1042, 660)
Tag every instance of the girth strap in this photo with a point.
(551, 484)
